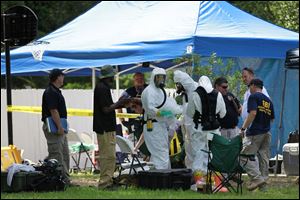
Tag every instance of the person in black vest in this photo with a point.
(54, 105)
(229, 123)
(205, 107)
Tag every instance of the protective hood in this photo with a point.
(156, 71)
(205, 82)
(186, 81)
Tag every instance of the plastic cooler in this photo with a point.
(291, 159)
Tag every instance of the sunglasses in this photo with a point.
(224, 86)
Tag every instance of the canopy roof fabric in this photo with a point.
(127, 32)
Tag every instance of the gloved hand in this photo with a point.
(127, 124)
(164, 113)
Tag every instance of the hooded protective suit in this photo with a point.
(156, 140)
(189, 86)
(200, 137)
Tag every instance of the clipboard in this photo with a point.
(51, 126)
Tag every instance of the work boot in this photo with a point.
(103, 185)
(255, 184)
(263, 188)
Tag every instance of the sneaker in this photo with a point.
(193, 187)
(255, 184)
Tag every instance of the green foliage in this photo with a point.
(22, 82)
(52, 14)
(77, 82)
(126, 81)
(281, 13)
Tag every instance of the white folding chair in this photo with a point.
(126, 147)
(84, 140)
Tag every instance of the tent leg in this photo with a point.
(280, 121)
(93, 78)
(8, 93)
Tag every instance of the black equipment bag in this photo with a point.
(165, 179)
(51, 178)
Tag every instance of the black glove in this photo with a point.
(127, 124)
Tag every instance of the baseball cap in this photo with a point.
(257, 82)
(54, 73)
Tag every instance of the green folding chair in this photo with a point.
(224, 163)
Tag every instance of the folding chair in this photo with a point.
(224, 163)
(126, 147)
(78, 144)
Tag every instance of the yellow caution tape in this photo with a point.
(26, 109)
(71, 111)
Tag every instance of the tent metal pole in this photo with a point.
(178, 65)
(280, 121)
(118, 82)
(8, 93)
(126, 70)
(93, 78)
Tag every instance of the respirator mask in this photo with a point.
(160, 80)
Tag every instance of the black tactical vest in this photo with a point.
(208, 118)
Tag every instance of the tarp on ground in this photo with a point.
(129, 32)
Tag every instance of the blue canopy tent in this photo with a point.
(129, 32)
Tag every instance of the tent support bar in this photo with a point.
(178, 65)
(131, 68)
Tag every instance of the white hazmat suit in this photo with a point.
(200, 137)
(189, 86)
(157, 140)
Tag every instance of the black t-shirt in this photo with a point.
(132, 92)
(264, 113)
(102, 98)
(231, 119)
(53, 99)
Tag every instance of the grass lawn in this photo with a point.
(291, 192)
(277, 191)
